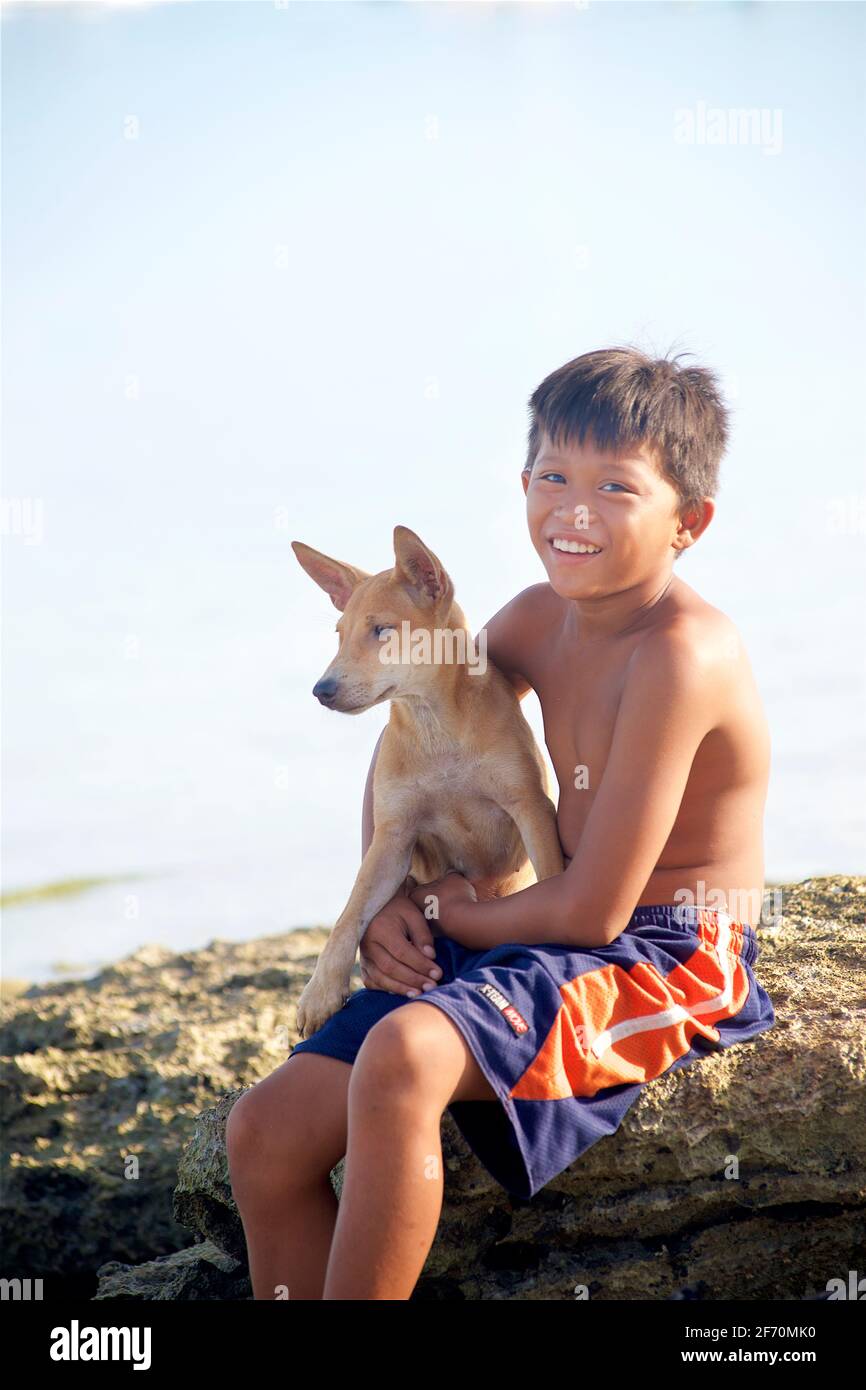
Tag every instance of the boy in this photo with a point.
(554, 1006)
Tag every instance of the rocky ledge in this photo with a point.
(742, 1176)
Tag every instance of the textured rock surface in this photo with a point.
(200, 1272)
(95, 1074)
(743, 1176)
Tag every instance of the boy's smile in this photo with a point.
(604, 522)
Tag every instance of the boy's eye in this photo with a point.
(603, 484)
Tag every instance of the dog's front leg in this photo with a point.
(535, 818)
(384, 868)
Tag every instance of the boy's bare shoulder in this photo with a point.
(535, 600)
(692, 634)
(537, 609)
(513, 632)
(508, 629)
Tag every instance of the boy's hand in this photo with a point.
(397, 951)
(446, 891)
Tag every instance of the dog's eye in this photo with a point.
(382, 627)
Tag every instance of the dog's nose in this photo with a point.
(325, 690)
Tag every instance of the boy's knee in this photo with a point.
(252, 1136)
(398, 1054)
(243, 1127)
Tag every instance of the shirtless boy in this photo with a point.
(636, 960)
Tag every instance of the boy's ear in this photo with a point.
(419, 567)
(694, 522)
(337, 580)
(524, 478)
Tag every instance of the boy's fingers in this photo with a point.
(392, 972)
(419, 931)
(373, 978)
(411, 952)
(376, 980)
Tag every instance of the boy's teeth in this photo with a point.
(575, 547)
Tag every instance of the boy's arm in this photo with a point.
(669, 703)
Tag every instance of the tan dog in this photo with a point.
(459, 782)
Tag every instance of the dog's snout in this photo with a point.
(325, 689)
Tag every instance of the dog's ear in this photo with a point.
(333, 576)
(420, 568)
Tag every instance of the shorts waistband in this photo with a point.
(689, 919)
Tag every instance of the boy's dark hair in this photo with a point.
(622, 397)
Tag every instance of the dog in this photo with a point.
(459, 782)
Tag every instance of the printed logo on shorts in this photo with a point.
(505, 1007)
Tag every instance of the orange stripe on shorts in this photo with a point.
(624, 1025)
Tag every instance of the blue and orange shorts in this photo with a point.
(568, 1037)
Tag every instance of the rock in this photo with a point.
(101, 1081)
(742, 1176)
(200, 1272)
(202, 1198)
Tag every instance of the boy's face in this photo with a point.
(621, 504)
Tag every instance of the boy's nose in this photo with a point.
(325, 689)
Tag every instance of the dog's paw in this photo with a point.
(318, 1003)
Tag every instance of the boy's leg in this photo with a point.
(411, 1066)
(283, 1137)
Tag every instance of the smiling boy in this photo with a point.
(557, 1004)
